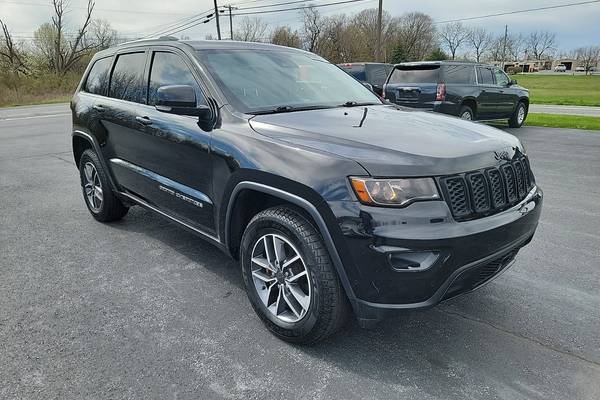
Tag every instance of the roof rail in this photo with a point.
(169, 38)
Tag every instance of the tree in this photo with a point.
(437, 55)
(101, 35)
(400, 54)
(365, 26)
(284, 36)
(11, 54)
(453, 35)
(588, 57)
(311, 29)
(480, 40)
(251, 30)
(540, 44)
(415, 36)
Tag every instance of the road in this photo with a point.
(143, 309)
(567, 110)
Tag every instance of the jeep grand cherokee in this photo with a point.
(331, 200)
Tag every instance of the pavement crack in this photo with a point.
(521, 336)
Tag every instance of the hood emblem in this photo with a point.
(502, 155)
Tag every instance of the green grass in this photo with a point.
(579, 90)
(563, 121)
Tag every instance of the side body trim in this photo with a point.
(305, 205)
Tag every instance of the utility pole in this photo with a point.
(504, 46)
(217, 19)
(230, 8)
(379, 17)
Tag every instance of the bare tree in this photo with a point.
(588, 57)
(11, 54)
(540, 44)
(101, 35)
(453, 36)
(480, 40)
(311, 30)
(416, 35)
(339, 40)
(251, 30)
(365, 25)
(284, 36)
(516, 46)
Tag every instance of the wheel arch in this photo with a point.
(81, 141)
(472, 103)
(235, 223)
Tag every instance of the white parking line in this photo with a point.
(33, 116)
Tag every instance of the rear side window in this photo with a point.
(169, 69)
(357, 71)
(126, 81)
(97, 80)
(419, 74)
(460, 74)
(377, 74)
(485, 76)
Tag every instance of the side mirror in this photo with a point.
(181, 100)
(512, 82)
(368, 86)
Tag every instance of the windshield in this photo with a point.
(256, 81)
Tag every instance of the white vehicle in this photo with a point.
(560, 68)
(581, 68)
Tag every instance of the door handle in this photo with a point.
(144, 120)
(99, 108)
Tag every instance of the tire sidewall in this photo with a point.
(89, 156)
(256, 229)
(465, 109)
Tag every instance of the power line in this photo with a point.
(517, 12)
(112, 10)
(173, 29)
(274, 5)
(300, 8)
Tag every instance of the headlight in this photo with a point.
(394, 192)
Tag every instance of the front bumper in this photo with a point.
(467, 254)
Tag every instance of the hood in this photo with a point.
(388, 141)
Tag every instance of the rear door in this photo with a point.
(413, 85)
(460, 84)
(489, 99)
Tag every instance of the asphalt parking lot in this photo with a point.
(143, 309)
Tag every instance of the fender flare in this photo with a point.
(96, 146)
(307, 207)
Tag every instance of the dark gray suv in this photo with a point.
(468, 90)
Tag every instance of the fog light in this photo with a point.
(414, 261)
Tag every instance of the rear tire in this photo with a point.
(97, 193)
(519, 116)
(466, 113)
(322, 306)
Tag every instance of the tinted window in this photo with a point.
(485, 76)
(357, 71)
(425, 74)
(169, 69)
(501, 78)
(97, 80)
(377, 74)
(126, 80)
(459, 74)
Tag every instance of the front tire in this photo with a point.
(97, 193)
(289, 278)
(519, 116)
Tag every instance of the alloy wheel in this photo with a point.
(521, 115)
(92, 187)
(467, 116)
(281, 278)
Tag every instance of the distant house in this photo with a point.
(526, 65)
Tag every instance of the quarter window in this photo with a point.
(501, 78)
(126, 80)
(97, 80)
(460, 74)
(485, 76)
(169, 69)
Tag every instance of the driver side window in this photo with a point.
(501, 78)
(169, 69)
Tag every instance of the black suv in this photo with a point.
(330, 199)
(375, 74)
(468, 90)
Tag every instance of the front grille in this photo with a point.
(476, 194)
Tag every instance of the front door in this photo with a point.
(507, 96)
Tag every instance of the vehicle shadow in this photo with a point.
(436, 353)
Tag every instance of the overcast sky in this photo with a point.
(575, 26)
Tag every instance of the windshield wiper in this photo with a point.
(357, 104)
(285, 109)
